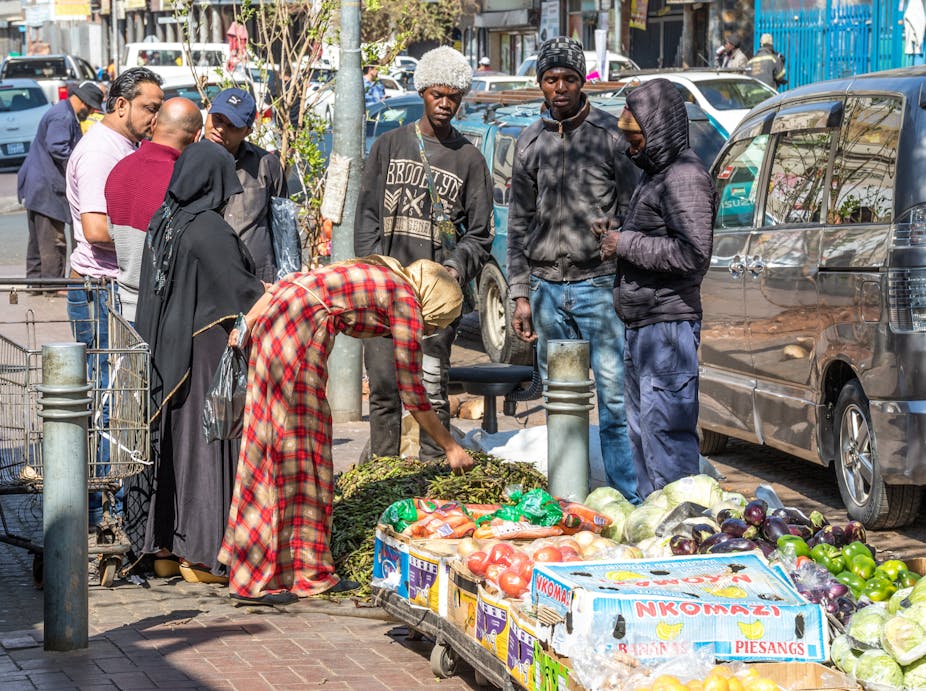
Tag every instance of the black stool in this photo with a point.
(489, 380)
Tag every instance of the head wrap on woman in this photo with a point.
(439, 295)
(195, 271)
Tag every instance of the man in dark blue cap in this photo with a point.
(229, 122)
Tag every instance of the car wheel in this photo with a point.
(495, 312)
(712, 442)
(866, 496)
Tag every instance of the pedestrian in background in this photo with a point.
(426, 193)
(131, 107)
(196, 277)
(569, 170)
(768, 65)
(277, 541)
(485, 65)
(373, 90)
(41, 180)
(729, 55)
(229, 122)
(663, 249)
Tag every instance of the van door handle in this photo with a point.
(756, 266)
(737, 266)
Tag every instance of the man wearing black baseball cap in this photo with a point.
(229, 122)
(41, 179)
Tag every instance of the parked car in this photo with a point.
(617, 63)
(54, 73)
(323, 102)
(814, 328)
(725, 96)
(171, 61)
(22, 105)
(495, 134)
(500, 82)
(391, 114)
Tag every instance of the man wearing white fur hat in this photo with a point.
(426, 194)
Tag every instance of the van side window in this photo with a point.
(505, 147)
(862, 188)
(737, 184)
(795, 185)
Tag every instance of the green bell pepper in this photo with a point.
(891, 568)
(854, 549)
(878, 590)
(829, 557)
(792, 547)
(854, 583)
(907, 579)
(862, 566)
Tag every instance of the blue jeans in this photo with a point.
(88, 311)
(661, 366)
(585, 310)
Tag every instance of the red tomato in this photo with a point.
(501, 554)
(518, 561)
(512, 584)
(494, 571)
(477, 563)
(548, 554)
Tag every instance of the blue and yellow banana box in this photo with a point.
(656, 609)
(390, 561)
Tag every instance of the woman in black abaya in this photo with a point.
(196, 277)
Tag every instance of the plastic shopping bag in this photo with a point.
(223, 411)
(284, 232)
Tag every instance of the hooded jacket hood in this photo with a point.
(660, 111)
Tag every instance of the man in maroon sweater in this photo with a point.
(136, 187)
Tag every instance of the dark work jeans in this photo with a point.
(47, 247)
(661, 400)
(385, 404)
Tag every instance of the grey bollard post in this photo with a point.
(568, 393)
(65, 412)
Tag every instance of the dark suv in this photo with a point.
(814, 332)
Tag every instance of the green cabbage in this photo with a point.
(914, 676)
(865, 625)
(656, 547)
(604, 495)
(915, 612)
(617, 511)
(877, 667)
(699, 489)
(736, 498)
(842, 655)
(904, 639)
(643, 521)
(893, 605)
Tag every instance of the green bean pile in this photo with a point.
(365, 491)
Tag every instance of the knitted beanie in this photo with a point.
(443, 66)
(560, 52)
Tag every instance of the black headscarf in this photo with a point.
(195, 271)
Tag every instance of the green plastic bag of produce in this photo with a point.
(536, 506)
(400, 514)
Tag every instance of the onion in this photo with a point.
(466, 547)
(584, 538)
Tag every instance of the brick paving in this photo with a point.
(170, 634)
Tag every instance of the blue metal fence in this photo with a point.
(830, 39)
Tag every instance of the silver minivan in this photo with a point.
(814, 331)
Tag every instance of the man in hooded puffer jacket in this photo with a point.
(663, 251)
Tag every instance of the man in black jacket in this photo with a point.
(569, 170)
(426, 193)
(768, 65)
(663, 251)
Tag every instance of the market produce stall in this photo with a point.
(697, 588)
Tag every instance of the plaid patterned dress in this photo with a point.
(280, 518)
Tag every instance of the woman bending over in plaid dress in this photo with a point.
(276, 541)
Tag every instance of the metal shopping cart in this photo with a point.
(117, 444)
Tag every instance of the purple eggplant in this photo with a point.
(765, 547)
(681, 545)
(855, 532)
(773, 528)
(780, 513)
(802, 531)
(797, 517)
(755, 512)
(714, 539)
(736, 544)
(701, 531)
(835, 589)
(839, 534)
(873, 550)
(823, 536)
(735, 527)
(725, 514)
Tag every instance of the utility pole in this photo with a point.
(347, 144)
(617, 27)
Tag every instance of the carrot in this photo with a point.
(596, 522)
(461, 530)
(516, 530)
